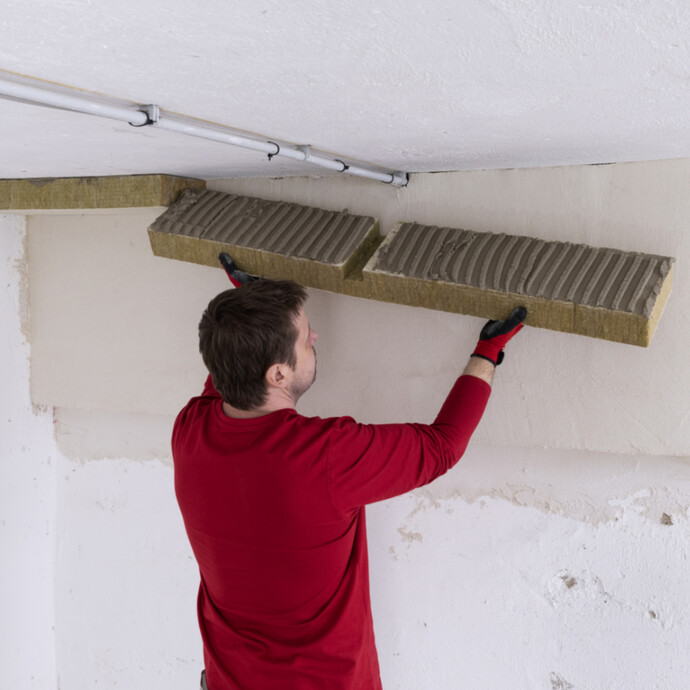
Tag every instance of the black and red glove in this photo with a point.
(237, 277)
(496, 334)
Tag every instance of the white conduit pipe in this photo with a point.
(34, 92)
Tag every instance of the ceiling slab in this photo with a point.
(440, 85)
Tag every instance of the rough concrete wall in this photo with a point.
(126, 581)
(536, 570)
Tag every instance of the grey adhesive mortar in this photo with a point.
(271, 231)
(574, 288)
(569, 287)
(562, 271)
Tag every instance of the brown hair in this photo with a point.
(246, 330)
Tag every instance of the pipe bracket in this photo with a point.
(152, 112)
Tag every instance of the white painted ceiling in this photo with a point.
(418, 86)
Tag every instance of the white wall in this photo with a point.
(553, 557)
(27, 489)
(126, 582)
(97, 582)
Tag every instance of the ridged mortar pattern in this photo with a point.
(291, 230)
(574, 288)
(557, 271)
(600, 292)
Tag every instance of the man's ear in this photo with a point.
(277, 375)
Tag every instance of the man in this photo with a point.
(273, 502)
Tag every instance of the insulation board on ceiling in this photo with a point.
(598, 292)
(574, 288)
(275, 239)
(77, 193)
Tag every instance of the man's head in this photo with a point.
(245, 331)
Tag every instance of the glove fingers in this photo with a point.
(493, 328)
(237, 277)
(496, 334)
(517, 316)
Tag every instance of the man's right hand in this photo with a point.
(496, 334)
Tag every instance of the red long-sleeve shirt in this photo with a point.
(274, 510)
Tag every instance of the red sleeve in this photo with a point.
(369, 463)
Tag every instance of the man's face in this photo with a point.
(305, 357)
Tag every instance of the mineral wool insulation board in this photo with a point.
(598, 292)
(317, 248)
(82, 193)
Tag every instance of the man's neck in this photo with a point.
(267, 408)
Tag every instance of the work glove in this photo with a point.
(496, 334)
(237, 277)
